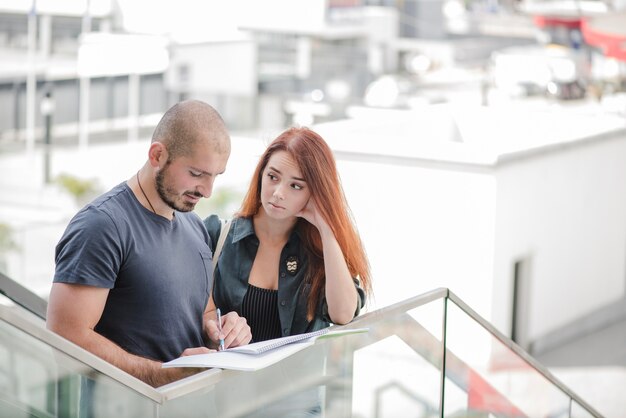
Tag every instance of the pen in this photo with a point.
(219, 327)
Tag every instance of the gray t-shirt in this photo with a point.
(159, 272)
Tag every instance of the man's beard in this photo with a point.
(169, 195)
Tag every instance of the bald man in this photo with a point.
(134, 269)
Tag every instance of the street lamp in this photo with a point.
(47, 109)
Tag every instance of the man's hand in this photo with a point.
(173, 374)
(196, 350)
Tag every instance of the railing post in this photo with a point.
(443, 356)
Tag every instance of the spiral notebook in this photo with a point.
(263, 346)
(258, 355)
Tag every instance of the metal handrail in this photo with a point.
(200, 381)
(23, 296)
(520, 352)
(32, 326)
(441, 293)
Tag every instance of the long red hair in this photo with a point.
(317, 165)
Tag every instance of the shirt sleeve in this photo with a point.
(323, 309)
(90, 251)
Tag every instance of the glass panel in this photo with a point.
(399, 369)
(38, 380)
(495, 379)
(579, 412)
(394, 367)
(430, 316)
(293, 387)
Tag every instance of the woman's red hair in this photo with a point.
(317, 165)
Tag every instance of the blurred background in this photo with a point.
(481, 143)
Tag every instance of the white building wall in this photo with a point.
(424, 228)
(564, 211)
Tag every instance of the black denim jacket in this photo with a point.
(235, 264)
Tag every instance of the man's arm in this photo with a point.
(73, 312)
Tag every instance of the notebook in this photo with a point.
(263, 346)
(256, 356)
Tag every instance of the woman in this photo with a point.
(292, 261)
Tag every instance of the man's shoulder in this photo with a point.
(115, 199)
(105, 209)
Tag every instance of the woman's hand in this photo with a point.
(313, 216)
(235, 330)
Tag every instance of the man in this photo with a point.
(133, 268)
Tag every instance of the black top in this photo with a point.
(260, 308)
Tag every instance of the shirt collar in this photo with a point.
(244, 227)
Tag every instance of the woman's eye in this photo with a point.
(271, 176)
(297, 186)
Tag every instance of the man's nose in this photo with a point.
(206, 188)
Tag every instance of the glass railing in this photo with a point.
(429, 356)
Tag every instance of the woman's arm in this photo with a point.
(341, 295)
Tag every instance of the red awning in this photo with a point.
(607, 33)
(547, 21)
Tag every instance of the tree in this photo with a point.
(82, 190)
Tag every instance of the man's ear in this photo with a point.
(157, 155)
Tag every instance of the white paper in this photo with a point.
(229, 359)
(256, 356)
